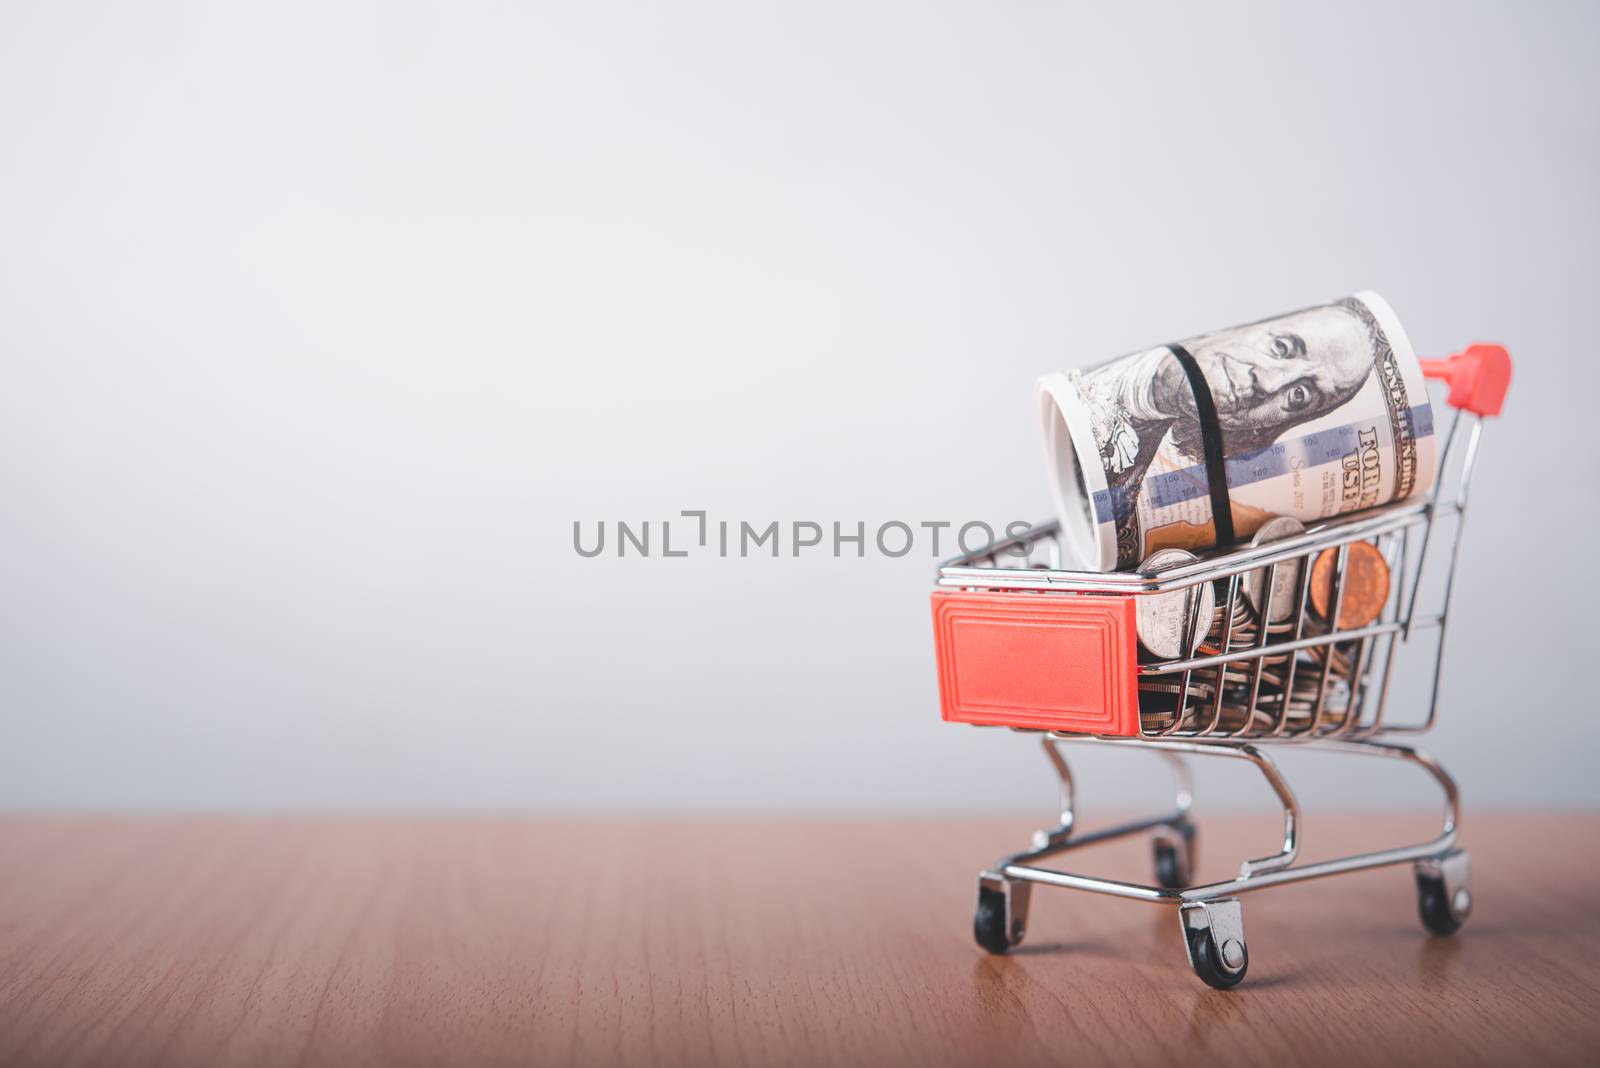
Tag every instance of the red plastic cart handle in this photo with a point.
(1478, 377)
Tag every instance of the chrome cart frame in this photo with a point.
(1214, 703)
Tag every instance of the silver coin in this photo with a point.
(1155, 721)
(1285, 581)
(1197, 689)
(1160, 618)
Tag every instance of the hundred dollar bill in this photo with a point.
(1307, 415)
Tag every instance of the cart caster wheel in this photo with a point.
(1002, 915)
(1435, 910)
(1443, 900)
(989, 925)
(1175, 859)
(1213, 933)
(1223, 968)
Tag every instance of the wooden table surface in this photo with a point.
(400, 941)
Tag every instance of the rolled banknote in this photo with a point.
(1198, 443)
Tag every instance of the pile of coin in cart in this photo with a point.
(1245, 520)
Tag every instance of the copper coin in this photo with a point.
(1366, 585)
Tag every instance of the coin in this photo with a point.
(1241, 631)
(1285, 580)
(1160, 618)
(1197, 690)
(1155, 721)
(1366, 585)
(1341, 659)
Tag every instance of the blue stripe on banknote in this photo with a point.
(1312, 450)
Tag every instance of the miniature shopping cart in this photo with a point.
(1024, 644)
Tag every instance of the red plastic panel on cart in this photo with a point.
(1479, 376)
(1056, 661)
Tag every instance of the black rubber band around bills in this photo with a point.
(1211, 442)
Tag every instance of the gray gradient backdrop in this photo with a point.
(322, 323)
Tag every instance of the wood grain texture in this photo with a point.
(754, 941)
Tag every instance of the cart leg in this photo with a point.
(1173, 844)
(1443, 898)
(1237, 751)
(1052, 838)
(1001, 919)
(1213, 936)
(1002, 916)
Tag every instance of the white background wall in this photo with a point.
(321, 324)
